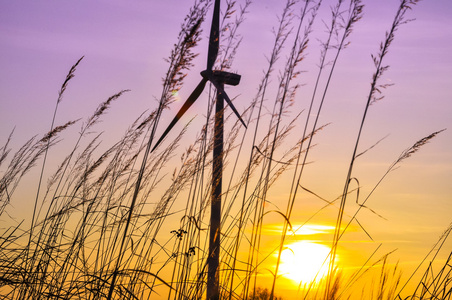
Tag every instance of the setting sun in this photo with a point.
(304, 262)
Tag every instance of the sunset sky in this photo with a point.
(125, 44)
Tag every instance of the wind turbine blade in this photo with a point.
(214, 40)
(225, 96)
(190, 100)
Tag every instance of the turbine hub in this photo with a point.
(223, 77)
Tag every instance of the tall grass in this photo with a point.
(128, 223)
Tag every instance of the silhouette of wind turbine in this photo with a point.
(218, 79)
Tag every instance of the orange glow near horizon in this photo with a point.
(297, 229)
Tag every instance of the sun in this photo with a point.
(304, 262)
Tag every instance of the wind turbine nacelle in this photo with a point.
(224, 77)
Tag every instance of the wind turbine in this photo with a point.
(218, 79)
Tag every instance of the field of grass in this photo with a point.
(120, 221)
